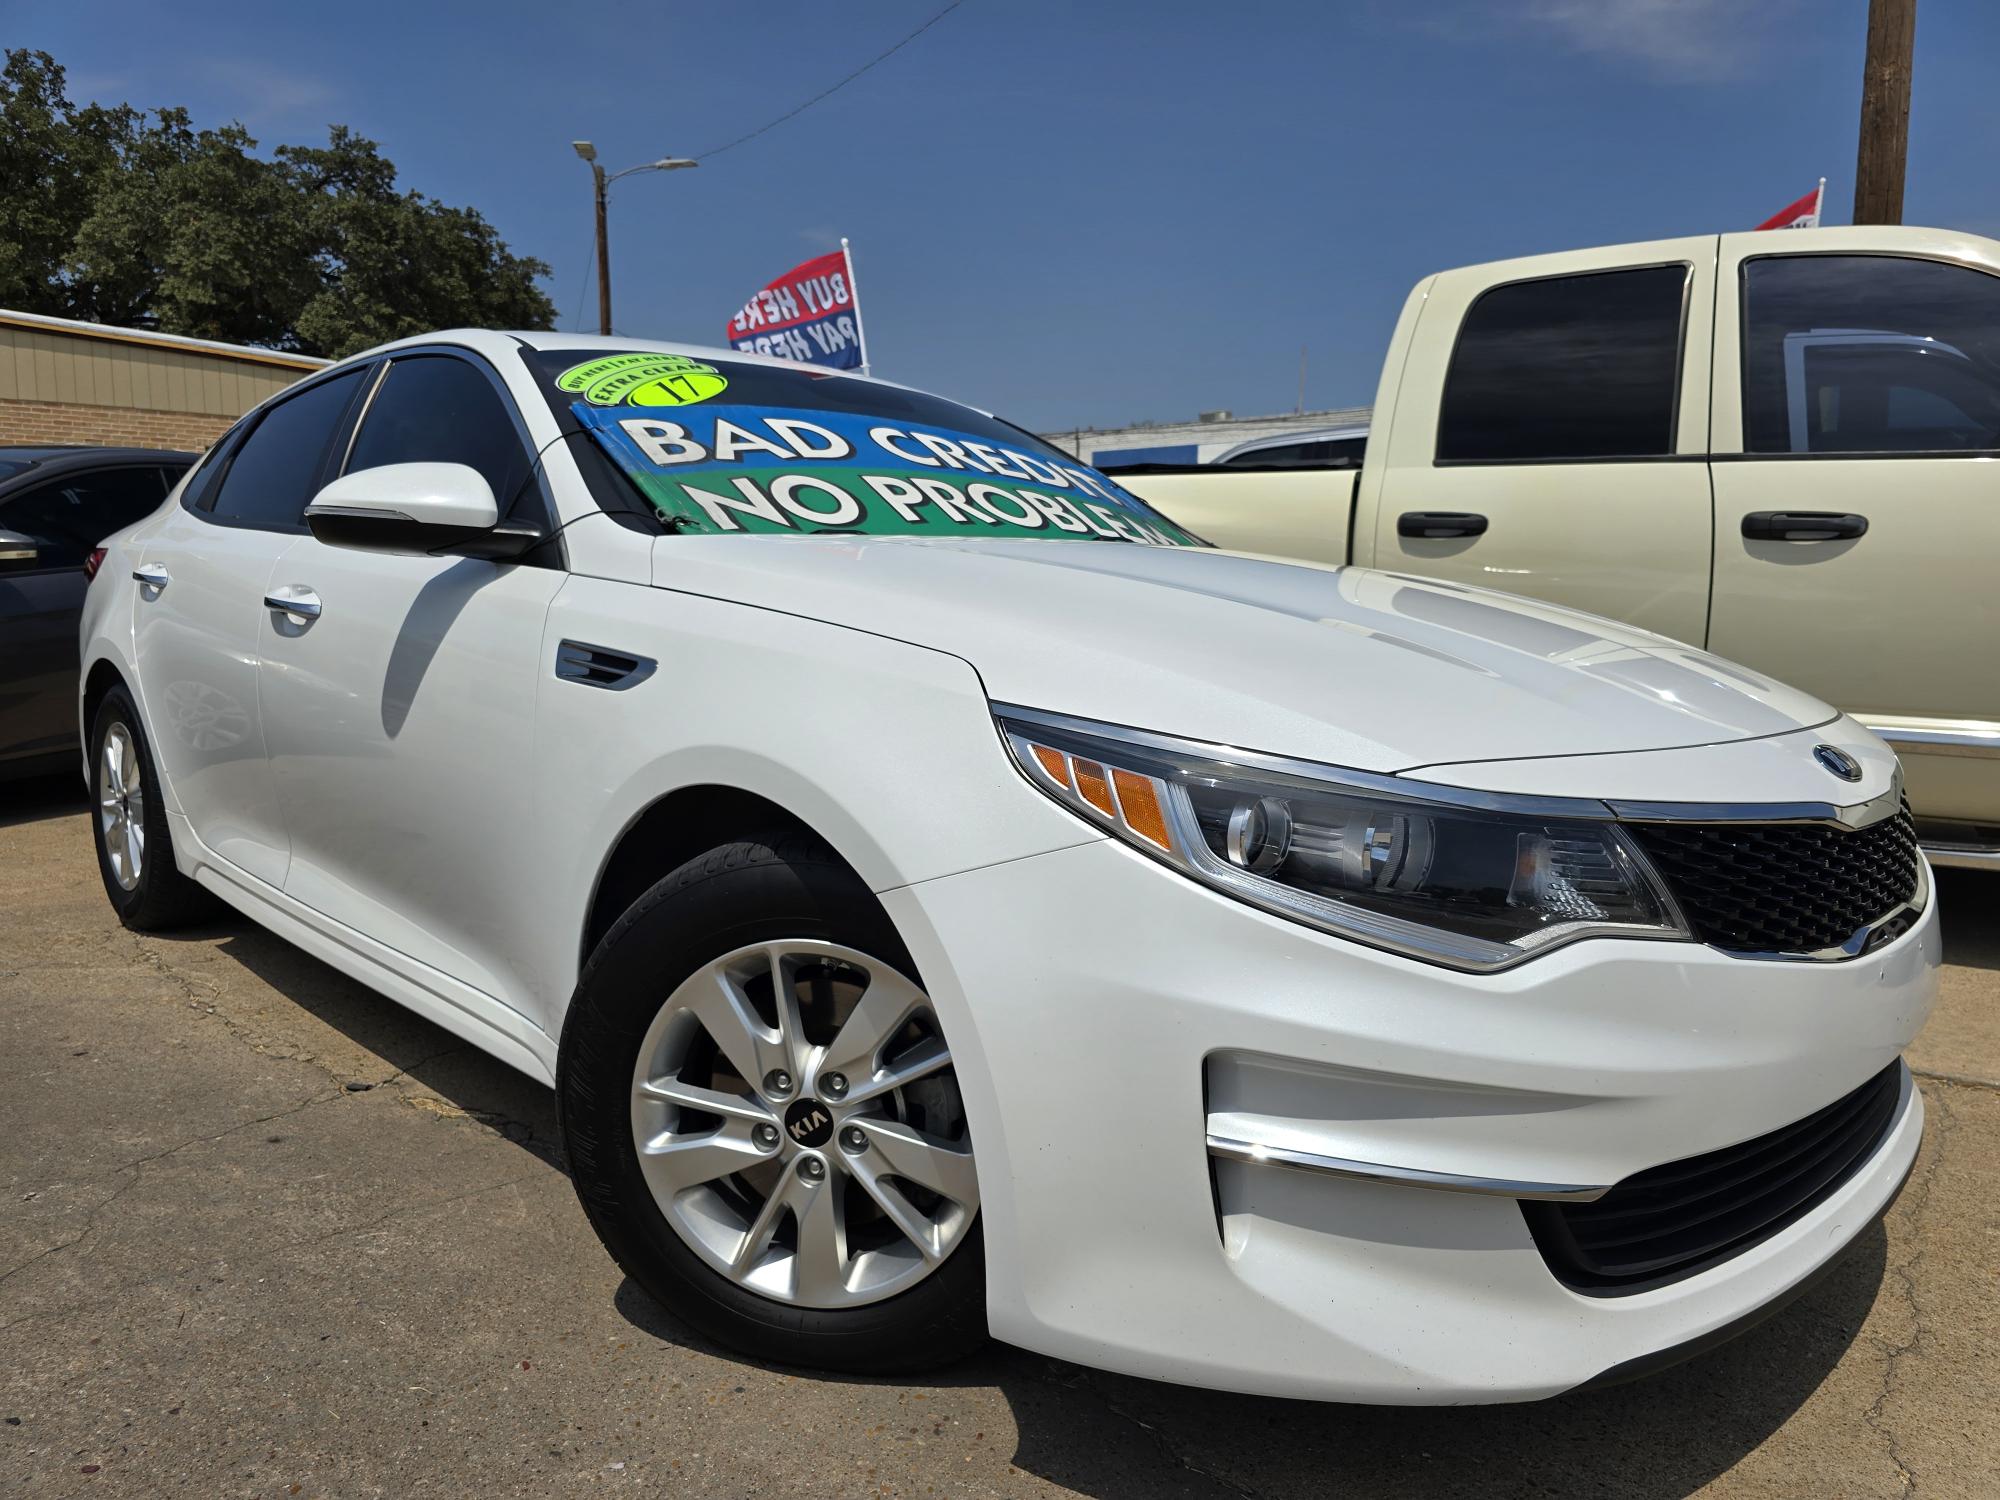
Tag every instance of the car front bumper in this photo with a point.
(1111, 1019)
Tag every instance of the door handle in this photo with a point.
(1804, 525)
(295, 600)
(1440, 523)
(152, 575)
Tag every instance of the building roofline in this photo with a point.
(75, 328)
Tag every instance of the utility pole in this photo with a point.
(1885, 112)
(603, 180)
(1302, 380)
(603, 257)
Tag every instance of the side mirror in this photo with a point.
(18, 550)
(423, 508)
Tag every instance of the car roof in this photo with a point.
(1289, 439)
(491, 342)
(83, 452)
(23, 464)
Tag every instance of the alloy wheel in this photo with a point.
(121, 806)
(798, 1122)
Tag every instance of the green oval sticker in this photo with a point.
(643, 380)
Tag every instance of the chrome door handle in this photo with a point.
(294, 600)
(152, 575)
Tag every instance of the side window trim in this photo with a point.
(373, 384)
(534, 483)
(1673, 455)
(1743, 355)
(199, 497)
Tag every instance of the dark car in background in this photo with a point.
(55, 505)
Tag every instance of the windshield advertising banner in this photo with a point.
(719, 468)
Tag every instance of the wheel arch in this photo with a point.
(104, 675)
(670, 831)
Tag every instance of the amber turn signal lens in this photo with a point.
(1092, 786)
(1054, 762)
(1140, 803)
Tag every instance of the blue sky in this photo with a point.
(1079, 213)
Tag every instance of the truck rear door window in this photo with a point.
(1869, 354)
(1567, 367)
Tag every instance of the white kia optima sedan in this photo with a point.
(949, 898)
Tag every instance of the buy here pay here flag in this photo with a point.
(809, 314)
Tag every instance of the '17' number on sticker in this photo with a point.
(683, 388)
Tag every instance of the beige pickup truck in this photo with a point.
(1784, 447)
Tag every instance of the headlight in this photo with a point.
(1465, 885)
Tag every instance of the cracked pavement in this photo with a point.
(264, 1233)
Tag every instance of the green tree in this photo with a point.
(52, 158)
(121, 216)
(393, 264)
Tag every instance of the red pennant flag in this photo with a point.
(1803, 214)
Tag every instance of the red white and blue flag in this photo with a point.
(809, 314)
(1804, 214)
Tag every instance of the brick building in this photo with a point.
(68, 382)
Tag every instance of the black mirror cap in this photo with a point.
(379, 531)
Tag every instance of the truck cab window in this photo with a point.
(1567, 367)
(1869, 354)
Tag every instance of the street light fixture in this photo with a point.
(603, 180)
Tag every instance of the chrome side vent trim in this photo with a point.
(598, 666)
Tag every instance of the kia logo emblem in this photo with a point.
(1838, 761)
(809, 1123)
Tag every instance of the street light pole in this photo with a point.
(603, 257)
(602, 181)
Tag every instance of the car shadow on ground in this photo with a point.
(1120, 1438)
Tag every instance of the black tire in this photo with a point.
(773, 886)
(162, 898)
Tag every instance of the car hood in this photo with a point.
(1347, 666)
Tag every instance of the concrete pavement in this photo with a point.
(263, 1233)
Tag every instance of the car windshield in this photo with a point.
(720, 446)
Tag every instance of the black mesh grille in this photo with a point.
(1686, 1216)
(1783, 887)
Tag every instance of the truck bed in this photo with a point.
(1297, 513)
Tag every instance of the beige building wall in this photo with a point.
(70, 382)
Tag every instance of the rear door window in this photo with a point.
(1567, 368)
(276, 470)
(1869, 354)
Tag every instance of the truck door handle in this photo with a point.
(296, 600)
(152, 575)
(1440, 523)
(1804, 525)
